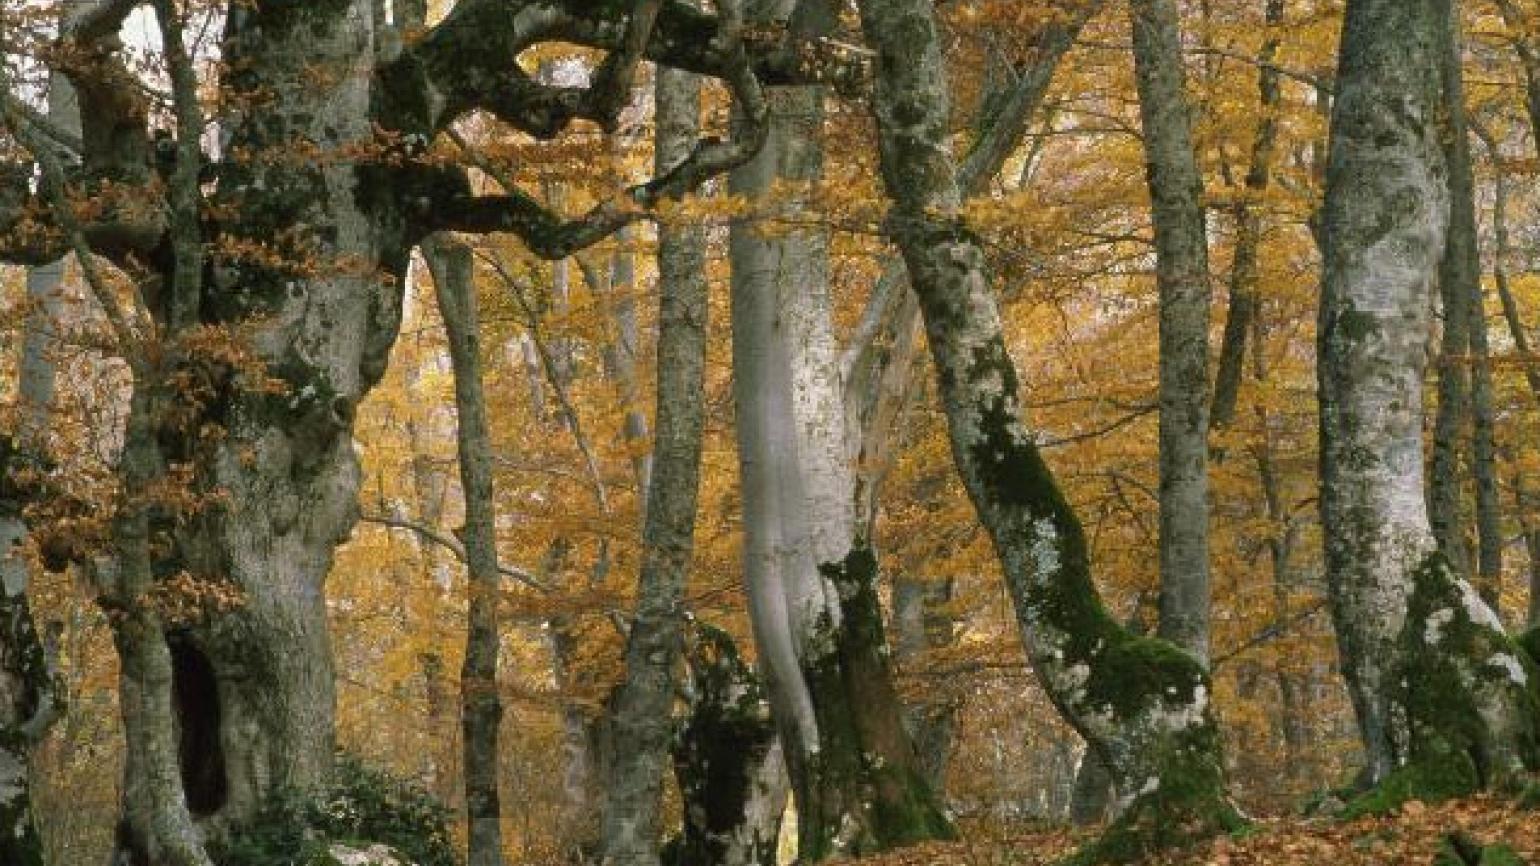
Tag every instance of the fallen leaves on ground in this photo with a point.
(1411, 835)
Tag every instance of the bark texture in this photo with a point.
(30, 695)
(644, 704)
(1181, 271)
(1443, 697)
(1143, 704)
(481, 708)
(728, 761)
(853, 768)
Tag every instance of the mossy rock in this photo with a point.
(1433, 779)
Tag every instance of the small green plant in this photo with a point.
(361, 807)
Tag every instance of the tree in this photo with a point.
(1442, 694)
(481, 708)
(1181, 270)
(644, 704)
(1141, 703)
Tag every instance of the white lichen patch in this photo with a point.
(1479, 612)
(1045, 549)
(1512, 666)
(1433, 629)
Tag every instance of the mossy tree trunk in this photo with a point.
(1141, 703)
(30, 696)
(1445, 699)
(298, 246)
(728, 761)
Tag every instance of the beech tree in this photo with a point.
(1444, 697)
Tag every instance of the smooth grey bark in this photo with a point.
(1244, 275)
(1181, 272)
(1433, 677)
(643, 718)
(1154, 727)
(481, 708)
(853, 767)
(856, 789)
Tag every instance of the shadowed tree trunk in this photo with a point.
(1440, 691)
(1465, 362)
(1142, 704)
(728, 761)
(481, 709)
(644, 704)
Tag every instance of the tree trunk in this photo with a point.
(254, 683)
(1244, 276)
(1091, 798)
(1460, 285)
(853, 768)
(728, 760)
(1440, 691)
(643, 718)
(922, 624)
(1141, 703)
(1181, 270)
(853, 795)
(481, 708)
(30, 696)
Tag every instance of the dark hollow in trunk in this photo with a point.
(201, 755)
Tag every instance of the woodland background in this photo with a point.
(569, 347)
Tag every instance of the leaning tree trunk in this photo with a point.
(1444, 698)
(643, 716)
(481, 708)
(1141, 703)
(1181, 271)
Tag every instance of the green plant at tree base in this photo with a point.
(361, 807)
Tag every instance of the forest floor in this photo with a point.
(1412, 836)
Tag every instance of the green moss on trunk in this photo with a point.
(866, 793)
(1468, 691)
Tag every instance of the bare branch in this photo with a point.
(453, 545)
